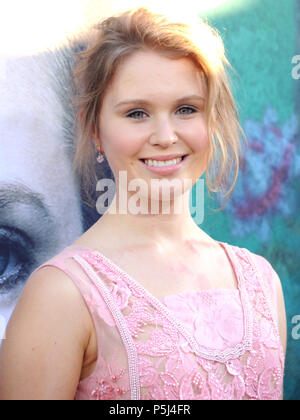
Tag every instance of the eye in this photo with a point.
(137, 114)
(186, 110)
(16, 261)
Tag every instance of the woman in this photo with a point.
(161, 310)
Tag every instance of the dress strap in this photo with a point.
(264, 274)
(121, 325)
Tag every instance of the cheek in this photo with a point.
(198, 137)
(122, 143)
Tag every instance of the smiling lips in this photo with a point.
(164, 165)
(167, 157)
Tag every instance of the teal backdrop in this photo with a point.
(261, 39)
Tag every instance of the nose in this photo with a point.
(163, 134)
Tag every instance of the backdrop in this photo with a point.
(262, 41)
(41, 205)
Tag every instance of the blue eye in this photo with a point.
(186, 110)
(15, 260)
(137, 114)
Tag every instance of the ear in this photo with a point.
(95, 135)
(94, 132)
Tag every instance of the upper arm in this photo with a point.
(277, 299)
(41, 357)
(282, 324)
(275, 287)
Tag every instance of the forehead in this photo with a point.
(147, 73)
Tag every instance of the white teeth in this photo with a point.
(159, 163)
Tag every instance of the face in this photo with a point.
(39, 205)
(155, 107)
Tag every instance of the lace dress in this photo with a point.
(205, 345)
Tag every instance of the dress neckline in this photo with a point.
(120, 270)
(210, 354)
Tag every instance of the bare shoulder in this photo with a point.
(51, 291)
(50, 279)
(41, 357)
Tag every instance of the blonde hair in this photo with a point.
(138, 29)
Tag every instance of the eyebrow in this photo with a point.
(11, 194)
(144, 102)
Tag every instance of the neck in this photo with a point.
(162, 229)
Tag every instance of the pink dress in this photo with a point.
(204, 345)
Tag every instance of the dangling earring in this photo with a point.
(100, 157)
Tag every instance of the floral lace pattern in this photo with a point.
(214, 318)
(215, 344)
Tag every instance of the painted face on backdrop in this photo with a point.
(39, 200)
(155, 106)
